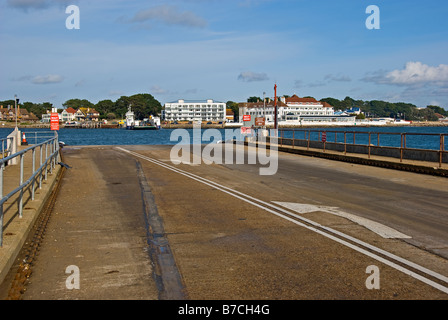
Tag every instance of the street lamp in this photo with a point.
(264, 109)
(15, 102)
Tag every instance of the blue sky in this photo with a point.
(224, 50)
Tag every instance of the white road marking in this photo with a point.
(289, 215)
(378, 228)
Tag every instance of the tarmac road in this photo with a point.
(234, 234)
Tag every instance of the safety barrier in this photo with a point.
(432, 146)
(6, 147)
(48, 149)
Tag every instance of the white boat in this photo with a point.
(151, 123)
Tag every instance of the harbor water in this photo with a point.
(78, 137)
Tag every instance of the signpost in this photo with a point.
(54, 121)
(324, 138)
(246, 130)
(260, 122)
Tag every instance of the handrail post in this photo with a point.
(20, 184)
(46, 161)
(345, 142)
(369, 144)
(34, 170)
(40, 166)
(401, 148)
(308, 147)
(1, 204)
(441, 149)
(293, 137)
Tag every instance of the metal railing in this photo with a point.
(48, 152)
(6, 147)
(401, 141)
(38, 136)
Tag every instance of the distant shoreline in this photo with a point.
(219, 126)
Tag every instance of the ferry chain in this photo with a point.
(31, 248)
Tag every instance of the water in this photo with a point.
(389, 136)
(76, 137)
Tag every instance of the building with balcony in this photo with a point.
(195, 110)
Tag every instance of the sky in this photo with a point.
(224, 50)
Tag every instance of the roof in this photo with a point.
(295, 98)
(260, 104)
(23, 111)
(194, 101)
(326, 104)
(70, 110)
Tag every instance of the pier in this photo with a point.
(136, 226)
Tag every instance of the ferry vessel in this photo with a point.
(151, 123)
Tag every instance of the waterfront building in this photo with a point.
(46, 117)
(261, 109)
(295, 110)
(80, 115)
(298, 107)
(230, 115)
(68, 114)
(195, 110)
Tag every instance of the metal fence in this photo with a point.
(35, 137)
(6, 147)
(46, 153)
(346, 141)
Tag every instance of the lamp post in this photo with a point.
(15, 102)
(275, 108)
(264, 109)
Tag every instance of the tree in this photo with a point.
(337, 104)
(235, 108)
(143, 105)
(105, 106)
(254, 99)
(78, 103)
(439, 110)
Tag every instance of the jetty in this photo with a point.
(125, 222)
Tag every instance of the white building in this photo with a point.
(298, 107)
(260, 109)
(290, 109)
(68, 114)
(194, 110)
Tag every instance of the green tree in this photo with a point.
(254, 99)
(439, 110)
(78, 103)
(143, 105)
(235, 108)
(337, 104)
(105, 106)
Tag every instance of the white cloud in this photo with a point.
(250, 76)
(36, 4)
(414, 73)
(338, 78)
(51, 78)
(169, 15)
(417, 72)
(158, 90)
